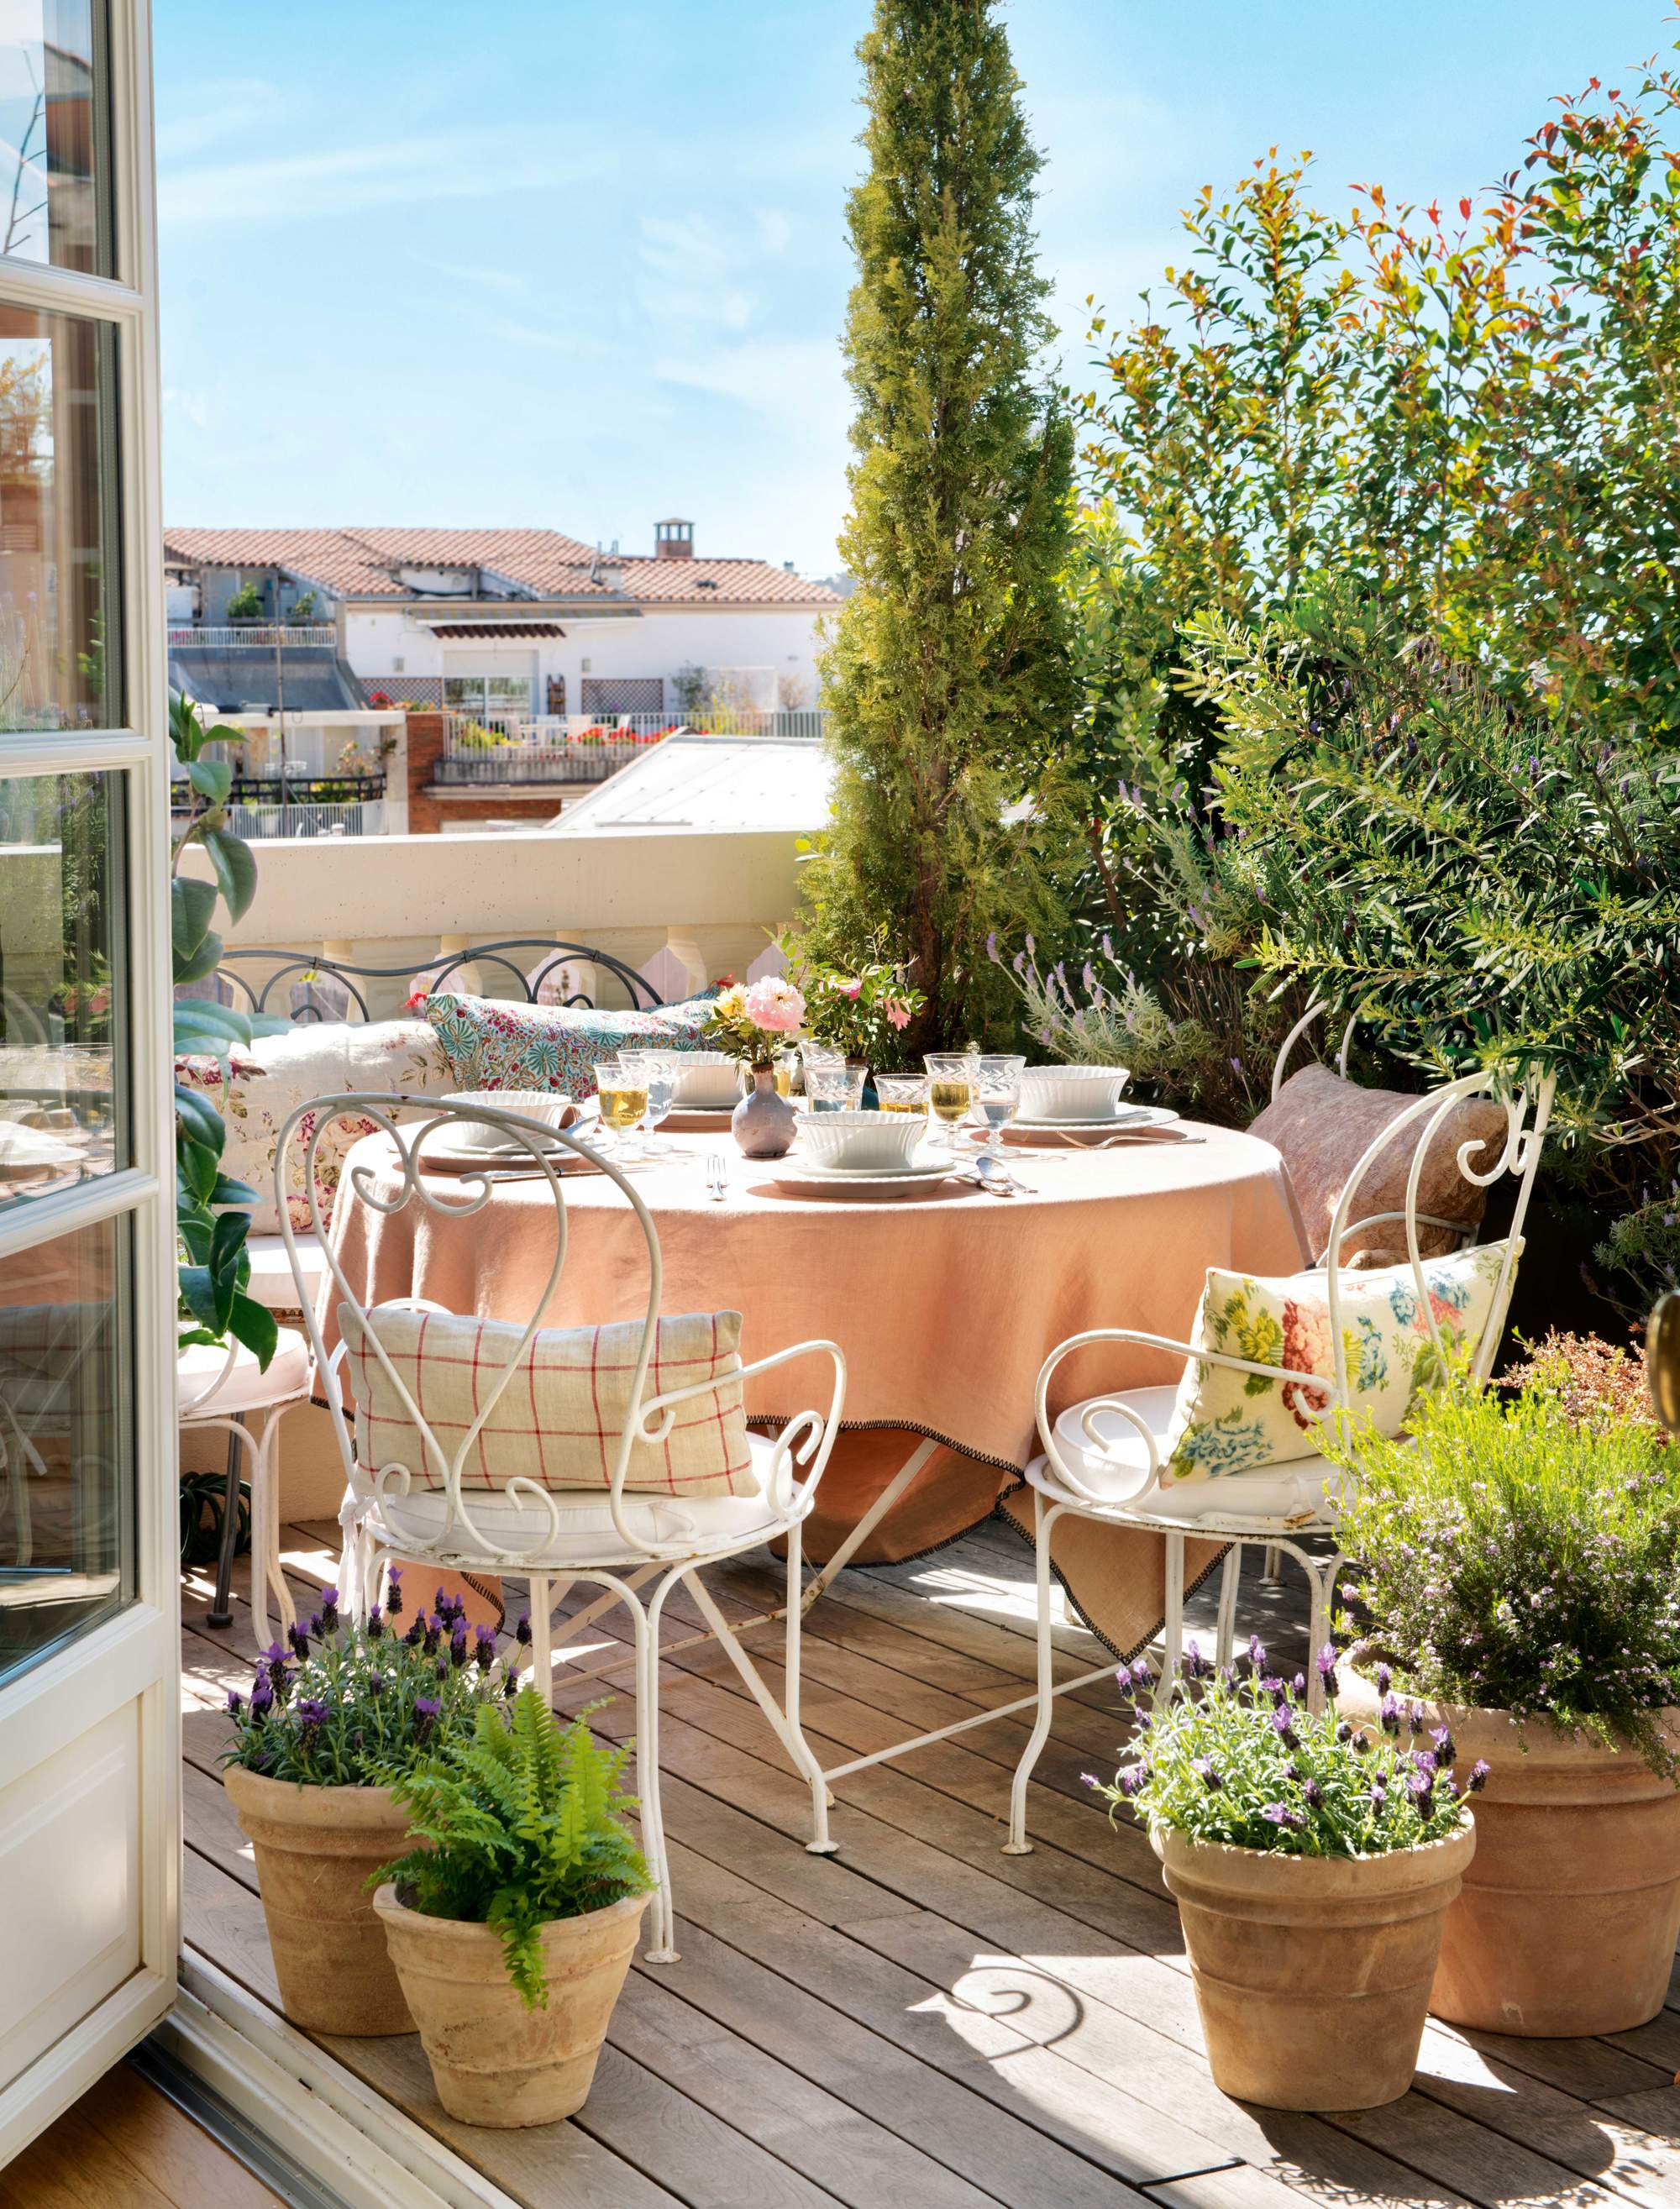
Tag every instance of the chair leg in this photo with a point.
(1172, 1632)
(542, 1637)
(663, 1947)
(1017, 1844)
(1322, 1578)
(353, 1595)
(266, 1577)
(1230, 1582)
(1271, 1569)
(819, 1844)
(221, 1613)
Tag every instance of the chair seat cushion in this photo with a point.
(271, 1280)
(586, 1533)
(558, 1419)
(247, 1386)
(494, 1043)
(1323, 1126)
(1226, 1422)
(1115, 1466)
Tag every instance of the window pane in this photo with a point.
(53, 164)
(67, 1551)
(57, 529)
(63, 992)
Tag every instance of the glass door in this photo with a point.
(89, 1635)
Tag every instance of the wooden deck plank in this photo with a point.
(125, 2145)
(1043, 2000)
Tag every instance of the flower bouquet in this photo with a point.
(756, 1019)
(1313, 1864)
(861, 1011)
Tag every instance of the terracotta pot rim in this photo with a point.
(296, 1802)
(1420, 1864)
(1484, 1725)
(468, 1932)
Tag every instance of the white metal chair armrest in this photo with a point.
(1387, 1219)
(1318, 1384)
(807, 1439)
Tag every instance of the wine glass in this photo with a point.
(835, 1087)
(949, 1091)
(623, 1103)
(997, 1080)
(653, 1071)
(901, 1093)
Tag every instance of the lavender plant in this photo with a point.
(347, 1706)
(1522, 1553)
(1242, 1761)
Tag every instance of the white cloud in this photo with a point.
(405, 172)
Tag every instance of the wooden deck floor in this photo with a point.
(922, 2022)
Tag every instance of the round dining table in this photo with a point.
(946, 1301)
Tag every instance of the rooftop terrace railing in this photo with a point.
(230, 636)
(563, 748)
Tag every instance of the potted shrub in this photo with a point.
(1518, 1561)
(512, 1924)
(1312, 1868)
(326, 1725)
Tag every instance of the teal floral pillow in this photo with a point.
(491, 1043)
(1225, 1423)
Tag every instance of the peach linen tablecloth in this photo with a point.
(945, 1303)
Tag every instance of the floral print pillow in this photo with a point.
(261, 1086)
(496, 1044)
(1225, 1423)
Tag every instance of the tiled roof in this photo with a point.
(357, 563)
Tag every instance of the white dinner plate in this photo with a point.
(1137, 1117)
(832, 1181)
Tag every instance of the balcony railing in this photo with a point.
(572, 748)
(261, 807)
(231, 637)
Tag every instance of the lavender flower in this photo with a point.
(510, 1685)
(1279, 1813)
(236, 1702)
(1205, 1767)
(1313, 1795)
(1130, 1780)
(1443, 1737)
(1326, 1662)
(1479, 1772)
(433, 1634)
(262, 1697)
(299, 1641)
(458, 1644)
(329, 1610)
(1385, 1679)
(416, 1633)
(427, 1709)
(375, 1623)
(1283, 1726)
(394, 1591)
(522, 1630)
(483, 1652)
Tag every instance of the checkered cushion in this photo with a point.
(559, 1419)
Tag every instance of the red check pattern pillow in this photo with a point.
(560, 1417)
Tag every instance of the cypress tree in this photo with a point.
(949, 677)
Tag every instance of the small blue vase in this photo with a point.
(764, 1123)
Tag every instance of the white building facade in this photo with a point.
(510, 624)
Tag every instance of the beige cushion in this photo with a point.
(264, 1084)
(559, 1419)
(209, 1386)
(1227, 1422)
(271, 1280)
(1110, 1460)
(1323, 1126)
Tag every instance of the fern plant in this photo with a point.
(518, 1825)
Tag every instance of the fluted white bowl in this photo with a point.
(705, 1081)
(862, 1142)
(549, 1105)
(1071, 1092)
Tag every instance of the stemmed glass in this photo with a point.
(623, 1099)
(654, 1071)
(950, 1091)
(997, 1083)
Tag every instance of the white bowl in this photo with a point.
(705, 1081)
(861, 1142)
(1071, 1092)
(546, 1104)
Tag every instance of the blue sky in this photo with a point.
(581, 263)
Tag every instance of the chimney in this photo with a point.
(674, 540)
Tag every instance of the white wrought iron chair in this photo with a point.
(220, 1391)
(556, 1536)
(1102, 1458)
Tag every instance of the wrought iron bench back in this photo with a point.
(538, 957)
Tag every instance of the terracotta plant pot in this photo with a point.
(1312, 1973)
(316, 1849)
(493, 2061)
(1566, 1925)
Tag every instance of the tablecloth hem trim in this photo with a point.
(1120, 1656)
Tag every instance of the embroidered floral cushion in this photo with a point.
(1323, 1126)
(1226, 1422)
(494, 1043)
(559, 1419)
(264, 1083)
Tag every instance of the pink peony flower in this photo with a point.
(852, 990)
(774, 1006)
